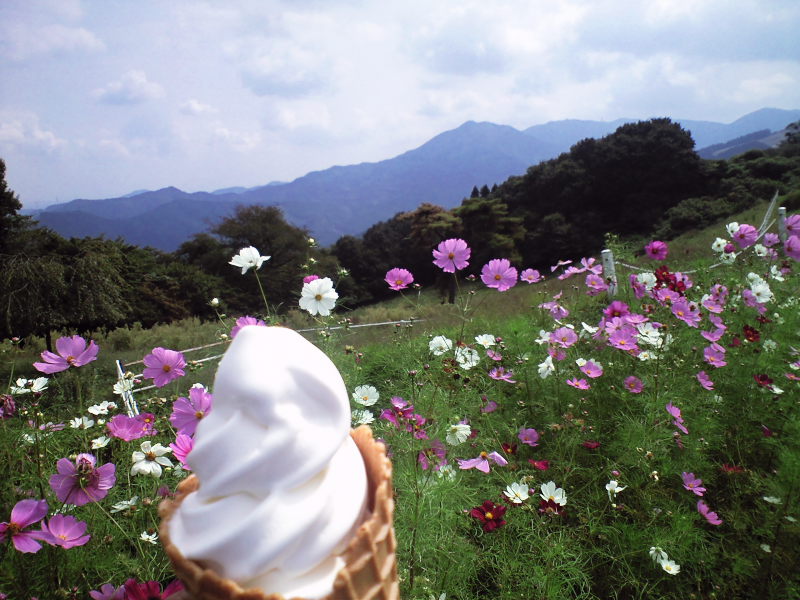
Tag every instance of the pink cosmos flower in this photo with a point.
(163, 366)
(310, 278)
(398, 279)
(529, 437)
(72, 352)
(710, 516)
(693, 484)
(25, 513)
(713, 304)
(245, 321)
(592, 369)
(624, 338)
(580, 384)
(715, 355)
(633, 384)
(500, 374)
(770, 239)
(481, 462)
(791, 247)
(688, 312)
(433, 456)
(560, 263)
(181, 448)
(499, 274)
(556, 310)
(540, 465)
(131, 428)
(7, 406)
(494, 355)
(452, 255)
(596, 284)
(490, 406)
(591, 444)
(678, 421)
(564, 337)
(745, 236)
(616, 309)
(713, 336)
(108, 592)
(793, 224)
(656, 250)
(150, 590)
(531, 276)
(188, 412)
(66, 531)
(80, 482)
(705, 380)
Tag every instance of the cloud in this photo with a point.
(194, 107)
(19, 42)
(132, 88)
(21, 130)
(285, 70)
(239, 140)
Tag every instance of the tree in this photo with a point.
(10, 220)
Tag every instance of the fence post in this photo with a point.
(127, 393)
(782, 231)
(609, 271)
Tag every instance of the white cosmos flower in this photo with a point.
(544, 337)
(81, 423)
(366, 395)
(762, 292)
(486, 340)
(100, 442)
(362, 417)
(439, 345)
(25, 386)
(467, 357)
(732, 228)
(123, 385)
(648, 280)
(727, 258)
(248, 258)
(150, 460)
(551, 492)
(775, 273)
(719, 244)
(613, 488)
(458, 434)
(124, 505)
(151, 538)
(102, 408)
(657, 554)
(771, 499)
(446, 472)
(318, 297)
(760, 250)
(671, 567)
(517, 492)
(546, 367)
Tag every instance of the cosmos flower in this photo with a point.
(318, 297)
(481, 462)
(458, 434)
(150, 590)
(656, 250)
(529, 437)
(692, 483)
(248, 258)
(439, 345)
(709, 515)
(25, 513)
(633, 384)
(500, 374)
(72, 352)
(490, 514)
(66, 531)
(551, 493)
(499, 274)
(516, 492)
(244, 322)
(452, 255)
(79, 482)
(398, 279)
(365, 395)
(131, 428)
(531, 276)
(188, 412)
(163, 365)
(150, 460)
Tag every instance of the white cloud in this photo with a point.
(132, 88)
(21, 129)
(239, 140)
(19, 41)
(195, 107)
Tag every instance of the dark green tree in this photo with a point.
(10, 219)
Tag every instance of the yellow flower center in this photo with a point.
(318, 297)
(199, 414)
(497, 277)
(151, 456)
(166, 368)
(489, 516)
(451, 256)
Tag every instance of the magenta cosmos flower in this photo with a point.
(501, 374)
(25, 513)
(792, 247)
(245, 321)
(188, 412)
(131, 428)
(531, 276)
(163, 366)
(529, 436)
(692, 483)
(705, 380)
(66, 531)
(656, 250)
(398, 279)
(181, 448)
(150, 590)
(80, 482)
(72, 352)
(499, 274)
(452, 255)
(633, 384)
(108, 592)
(710, 516)
(481, 462)
(745, 236)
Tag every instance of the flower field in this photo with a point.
(640, 445)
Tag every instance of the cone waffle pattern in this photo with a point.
(370, 571)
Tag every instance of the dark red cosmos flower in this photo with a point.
(490, 514)
(509, 448)
(590, 444)
(541, 465)
(150, 590)
(763, 380)
(751, 334)
(726, 468)
(735, 342)
(550, 508)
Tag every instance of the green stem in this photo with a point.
(263, 295)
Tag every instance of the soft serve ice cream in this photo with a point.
(282, 484)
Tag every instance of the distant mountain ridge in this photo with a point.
(348, 199)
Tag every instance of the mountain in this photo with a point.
(758, 140)
(349, 199)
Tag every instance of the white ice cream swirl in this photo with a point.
(282, 484)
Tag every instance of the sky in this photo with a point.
(103, 97)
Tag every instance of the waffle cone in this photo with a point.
(370, 571)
